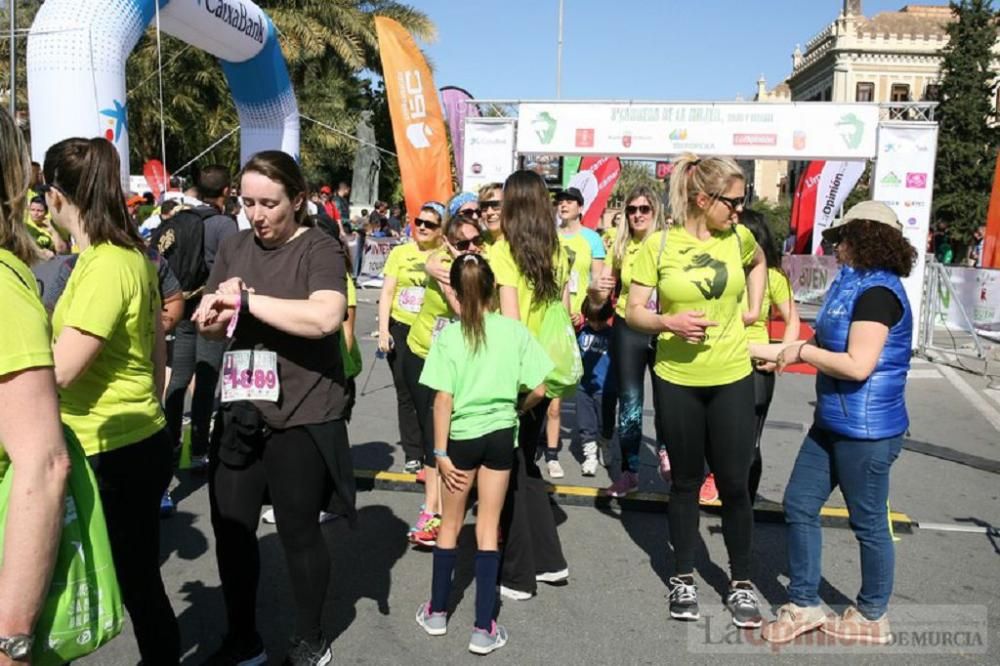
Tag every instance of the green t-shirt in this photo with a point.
(434, 315)
(406, 264)
(508, 275)
(624, 268)
(25, 341)
(485, 384)
(707, 276)
(113, 293)
(582, 249)
(778, 291)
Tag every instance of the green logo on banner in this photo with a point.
(892, 180)
(852, 130)
(545, 127)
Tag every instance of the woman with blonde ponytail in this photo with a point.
(701, 271)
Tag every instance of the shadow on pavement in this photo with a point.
(372, 456)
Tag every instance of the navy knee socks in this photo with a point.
(444, 565)
(487, 567)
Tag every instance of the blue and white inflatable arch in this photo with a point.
(77, 51)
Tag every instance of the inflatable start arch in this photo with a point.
(76, 68)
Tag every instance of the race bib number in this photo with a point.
(411, 298)
(439, 325)
(250, 375)
(574, 282)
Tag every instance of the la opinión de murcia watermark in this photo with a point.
(914, 630)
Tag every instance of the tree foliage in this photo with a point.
(634, 174)
(968, 140)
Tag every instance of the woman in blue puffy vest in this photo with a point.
(862, 352)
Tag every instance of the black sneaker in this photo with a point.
(239, 653)
(742, 603)
(304, 653)
(683, 598)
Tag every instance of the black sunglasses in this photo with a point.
(487, 205)
(426, 224)
(473, 213)
(644, 209)
(464, 245)
(732, 202)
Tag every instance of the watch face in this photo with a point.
(18, 647)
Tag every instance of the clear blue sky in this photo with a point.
(624, 49)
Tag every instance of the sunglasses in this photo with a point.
(464, 245)
(426, 224)
(732, 202)
(470, 213)
(643, 209)
(488, 205)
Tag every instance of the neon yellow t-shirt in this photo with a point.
(706, 276)
(406, 264)
(508, 275)
(485, 384)
(624, 269)
(778, 291)
(582, 248)
(113, 293)
(434, 315)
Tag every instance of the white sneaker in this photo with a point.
(514, 595)
(555, 469)
(553, 576)
(268, 517)
(589, 465)
(324, 517)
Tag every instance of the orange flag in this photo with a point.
(417, 122)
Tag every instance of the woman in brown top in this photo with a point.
(280, 293)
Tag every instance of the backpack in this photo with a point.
(181, 241)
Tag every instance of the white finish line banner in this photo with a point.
(797, 131)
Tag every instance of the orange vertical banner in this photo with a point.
(991, 242)
(417, 122)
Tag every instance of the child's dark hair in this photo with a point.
(593, 312)
(472, 279)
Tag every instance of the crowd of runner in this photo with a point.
(474, 316)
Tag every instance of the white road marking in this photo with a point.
(922, 373)
(993, 394)
(976, 400)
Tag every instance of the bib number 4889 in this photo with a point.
(250, 375)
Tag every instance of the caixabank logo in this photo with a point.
(236, 14)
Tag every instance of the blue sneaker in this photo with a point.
(167, 506)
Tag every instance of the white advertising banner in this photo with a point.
(376, 252)
(836, 181)
(795, 131)
(810, 276)
(489, 152)
(978, 292)
(904, 179)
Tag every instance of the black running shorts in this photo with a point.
(494, 450)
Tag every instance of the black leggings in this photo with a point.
(423, 403)
(763, 393)
(632, 353)
(406, 413)
(193, 356)
(131, 481)
(292, 470)
(713, 423)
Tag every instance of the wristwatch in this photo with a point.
(16, 647)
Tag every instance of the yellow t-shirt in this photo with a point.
(624, 269)
(434, 315)
(406, 264)
(706, 276)
(778, 290)
(582, 248)
(113, 293)
(507, 274)
(24, 337)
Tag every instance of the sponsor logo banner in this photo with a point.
(489, 152)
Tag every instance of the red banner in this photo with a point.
(596, 180)
(804, 206)
(417, 121)
(156, 177)
(991, 241)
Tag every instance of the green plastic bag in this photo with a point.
(352, 359)
(558, 338)
(83, 608)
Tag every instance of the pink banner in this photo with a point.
(455, 113)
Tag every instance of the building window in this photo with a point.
(865, 92)
(933, 92)
(900, 92)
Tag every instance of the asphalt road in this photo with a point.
(613, 611)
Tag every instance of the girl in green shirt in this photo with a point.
(437, 311)
(480, 368)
